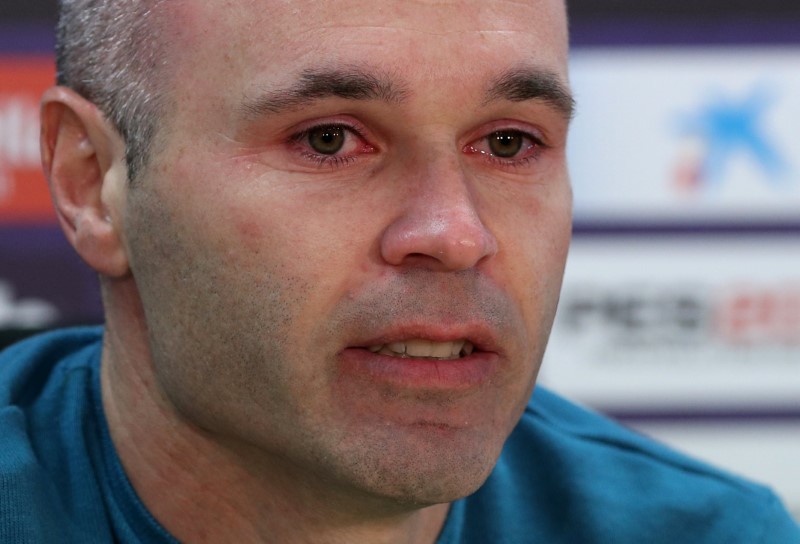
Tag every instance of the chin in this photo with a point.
(441, 487)
(427, 468)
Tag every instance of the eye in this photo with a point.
(331, 144)
(508, 146)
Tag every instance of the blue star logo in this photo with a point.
(730, 127)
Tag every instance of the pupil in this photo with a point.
(326, 140)
(505, 144)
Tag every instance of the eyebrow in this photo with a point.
(522, 84)
(354, 83)
(312, 85)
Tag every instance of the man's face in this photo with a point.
(349, 244)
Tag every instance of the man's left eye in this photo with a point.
(506, 144)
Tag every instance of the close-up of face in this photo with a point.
(350, 236)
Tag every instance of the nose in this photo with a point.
(440, 227)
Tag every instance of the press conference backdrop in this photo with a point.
(680, 313)
(681, 306)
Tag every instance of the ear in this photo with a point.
(83, 157)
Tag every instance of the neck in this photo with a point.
(220, 491)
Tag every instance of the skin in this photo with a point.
(243, 278)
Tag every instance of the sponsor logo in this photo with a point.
(724, 130)
(19, 138)
(23, 191)
(641, 322)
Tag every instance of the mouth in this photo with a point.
(411, 361)
(419, 348)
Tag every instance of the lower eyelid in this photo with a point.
(327, 160)
(524, 161)
(516, 162)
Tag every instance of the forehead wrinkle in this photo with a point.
(444, 32)
(350, 83)
(526, 83)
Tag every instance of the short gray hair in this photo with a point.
(109, 52)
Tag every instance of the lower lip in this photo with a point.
(424, 374)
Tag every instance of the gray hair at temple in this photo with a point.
(110, 53)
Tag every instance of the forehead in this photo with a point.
(234, 39)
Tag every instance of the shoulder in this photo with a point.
(44, 382)
(568, 474)
(27, 367)
(579, 434)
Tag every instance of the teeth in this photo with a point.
(420, 348)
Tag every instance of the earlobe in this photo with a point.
(83, 160)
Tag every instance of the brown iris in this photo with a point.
(505, 144)
(326, 140)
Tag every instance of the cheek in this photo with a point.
(328, 251)
(251, 233)
(536, 241)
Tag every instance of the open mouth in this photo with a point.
(425, 349)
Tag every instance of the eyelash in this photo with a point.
(300, 139)
(334, 161)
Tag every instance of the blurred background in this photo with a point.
(680, 314)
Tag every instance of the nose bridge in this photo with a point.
(440, 225)
(444, 195)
